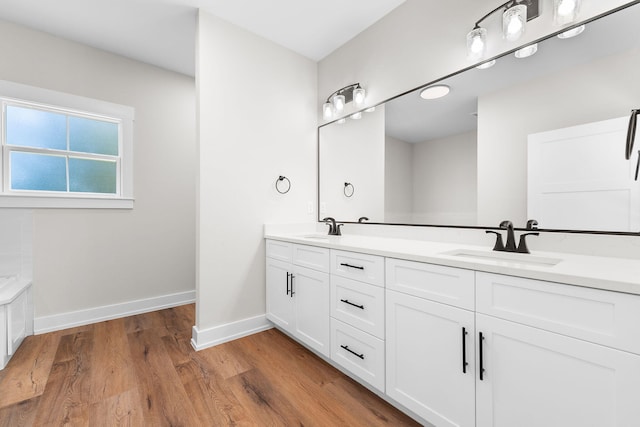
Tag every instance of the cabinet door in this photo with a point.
(16, 322)
(279, 298)
(425, 342)
(537, 378)
(311, 296)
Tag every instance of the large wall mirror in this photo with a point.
(541, 137)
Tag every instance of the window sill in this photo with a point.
(61, 202)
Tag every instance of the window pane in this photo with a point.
(92, 176)
(93, 136)
(27, 127)
(38, 172)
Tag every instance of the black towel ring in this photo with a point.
(280, 180)
(348, 189)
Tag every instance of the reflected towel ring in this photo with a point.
(279, 184)
(348, 189)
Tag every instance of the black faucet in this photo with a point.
(363, 219)
(510, 246)
(334, 229)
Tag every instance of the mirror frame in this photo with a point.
(473, 227)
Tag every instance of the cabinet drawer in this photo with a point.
(603, 317)
(282, 251)
(312, 257)
(358, 352)
(362, 267)
(358, 304)
(448, 285)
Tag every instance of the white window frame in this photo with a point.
(48, 100)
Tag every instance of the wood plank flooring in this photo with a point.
(142, 371)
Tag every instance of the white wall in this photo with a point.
(90, 258)
(398, 181)
(444, 180)
(256, 121)
(423, 40)
(353, 152)
(603, 89)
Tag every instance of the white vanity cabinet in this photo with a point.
(430, 345)
(357, 315)
(297, 291)
(16, 317)
(555, 355)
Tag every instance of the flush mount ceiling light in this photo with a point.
(486, 65)
(572, 32)
(340, 98)
(515, 15)
(435, 92)
(526, 51)
(565, 11)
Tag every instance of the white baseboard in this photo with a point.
(71, 319)
(210, 337)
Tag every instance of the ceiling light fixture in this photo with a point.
(435, 92)
(572, 32)
(339, 99)
(515, 15)
(565, 11)
(486, 65)
(526, 51)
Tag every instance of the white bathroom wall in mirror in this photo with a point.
(579, 180)
(353, 152)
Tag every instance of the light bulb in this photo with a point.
(565, 11)
(476, 43)
(327, 110)
(358, 96)
(338, 102)
(514, 21)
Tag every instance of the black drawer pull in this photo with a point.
(481, 356)
(288, 274)
(359, 267)
(292, 277)
(346, 347)
(464, 351)
(346, 301)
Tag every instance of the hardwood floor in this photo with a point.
(142, 371)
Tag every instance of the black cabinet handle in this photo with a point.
(464, 351)
(288, 283)
(292, 277)
(481, 339)
(346, 301)
(359, 267)
(346, 347)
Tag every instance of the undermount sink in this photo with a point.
(508, 257)
(315, 236)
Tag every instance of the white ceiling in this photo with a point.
(162, 32)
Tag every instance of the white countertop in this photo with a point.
(614, 274)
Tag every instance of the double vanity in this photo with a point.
(458, 335)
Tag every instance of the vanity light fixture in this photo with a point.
(565, 11)
(337, 100)
(515, 15)
(435, 92)
(356, 116)
(526, 51)
(370, 110)
(572, 32)
(342, 121)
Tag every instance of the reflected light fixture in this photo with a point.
(337, 101)
(486, 65)
(526, 51)
(356, 116)
(565, 11)
(435, 92)
(572, 32)
(515, 15)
